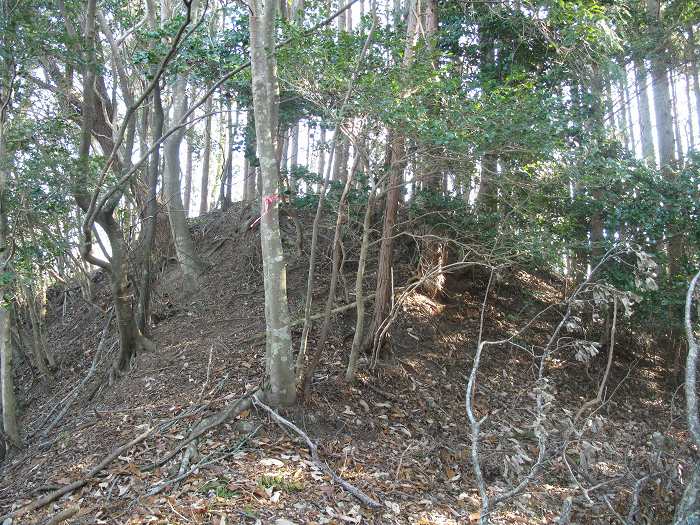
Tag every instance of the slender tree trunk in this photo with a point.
(206, 158)
(382, 301)
(322, 151)
(151, 216)
(188, 177)
(691, 124)
(676, 122)
(330, 300)
(598, 120)
(645, 128)
(9, 404)
(626, 100)
(293, 159)
(357, 339)
(184, 246)
(694, 69)
(280, 384)
(486, 198)
(7, 388)
(227, 176)
(130, 338)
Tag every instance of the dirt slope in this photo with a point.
(400, 434)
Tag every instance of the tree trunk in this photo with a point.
(9, 404)
(151, 217)
(280, 385)
(7, 392)
(645, 128)
(188, 177)
(330, 300)
(486, 198)
(676, 123)
(382, 302)
(322, 151)
(663, 110)
(206, 158)
(626, 100)
(359, 291)
(694, 69)
(93, 113)
(189, 262)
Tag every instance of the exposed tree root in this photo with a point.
(350, 488)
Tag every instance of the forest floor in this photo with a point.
(400, 433)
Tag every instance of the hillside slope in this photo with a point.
(400, 433)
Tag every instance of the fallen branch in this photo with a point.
(63, 515)
(232, 410)
(91, 372)
(207, 460)
(351, 489)
(42, 502)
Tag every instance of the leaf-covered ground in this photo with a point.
(400, 433)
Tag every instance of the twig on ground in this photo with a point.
(351, 489)
(42, 502)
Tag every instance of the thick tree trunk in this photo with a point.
(206, 159)
(189, 262)
(280, 384)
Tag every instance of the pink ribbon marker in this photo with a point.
(268, 202)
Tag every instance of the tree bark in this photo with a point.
(664, 127)
(382, 303)
(280, 384)
(7, 392)
(206, 158)
(188, 177)
(93, 122)
(486, 199)
(646, 130)
(189, 262)
(694, 69)
(357, 339)
(151, 217)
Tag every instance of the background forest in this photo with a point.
(447, 246)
